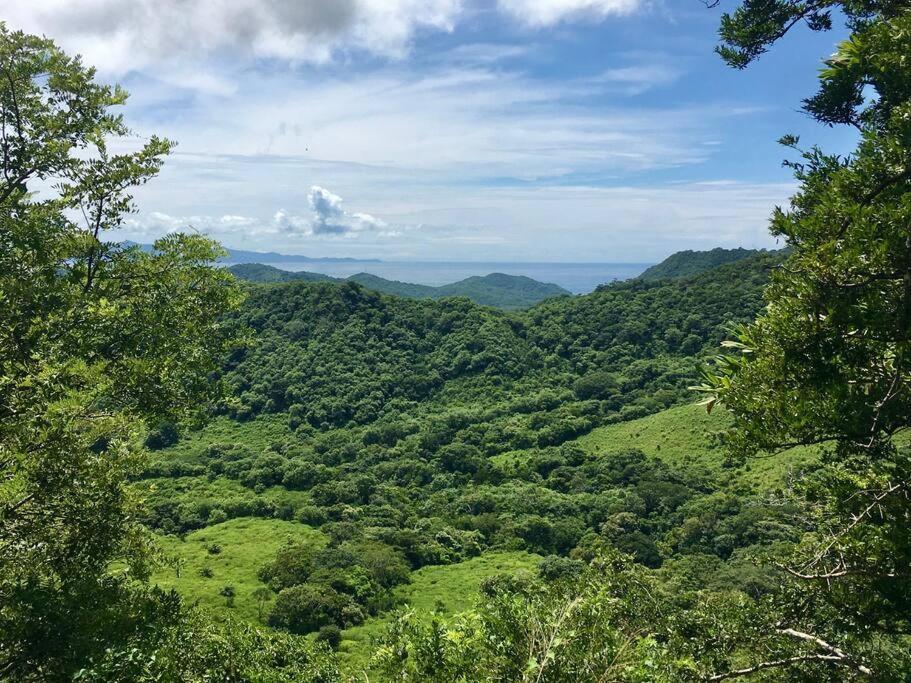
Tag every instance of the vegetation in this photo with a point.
(263, 274)
(685, 263)
(368, 462)
(507, 292)
(95, 340)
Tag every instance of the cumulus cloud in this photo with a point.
(332, 219)
(157, 223)
(120, 36)
(548, 12)
(329, 218)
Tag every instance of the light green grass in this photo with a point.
(258, 434)
(682, 437)
(449, 589)
(246, 544)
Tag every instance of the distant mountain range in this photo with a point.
(509, 292)
(242, 256)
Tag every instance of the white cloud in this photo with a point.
(639, 78)
(327, 219)
(540, 13)
(478, 121)
(123, 35)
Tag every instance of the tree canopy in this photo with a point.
(96, 339)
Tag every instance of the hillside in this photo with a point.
(686, 263)
(503, 291)
(395, 287)
(507, 292)
(416, 438)
(260, 273)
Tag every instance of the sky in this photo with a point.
(470, 130)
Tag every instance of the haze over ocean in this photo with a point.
(578, 278)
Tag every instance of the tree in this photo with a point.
(262, 595)
(829, 361)
(96, 339)
(592, 625)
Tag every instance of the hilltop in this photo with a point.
(686, 263)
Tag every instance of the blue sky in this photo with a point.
(529, 130)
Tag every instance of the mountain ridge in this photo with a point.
(508, 292)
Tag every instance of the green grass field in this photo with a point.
(257, 434)
(448, 589)
(683, 437)
(246, 544)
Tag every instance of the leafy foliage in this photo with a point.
(95, 340)
(830, 360)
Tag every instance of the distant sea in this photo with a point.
(578, 278)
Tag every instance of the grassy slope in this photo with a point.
(257, 434)
(682, 437)
(246, 544)
(449, 589)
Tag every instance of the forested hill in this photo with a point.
(684, 263)
(338, 354)
(407, 435)
(263, 274)
(509, 292)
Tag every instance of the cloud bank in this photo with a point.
(329, 218)
(120, 36)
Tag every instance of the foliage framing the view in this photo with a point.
(829, 361)
(95, 340)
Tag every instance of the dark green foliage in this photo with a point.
(186, 646)
(162, 436)
(394, 287)
(329, 634)
(307, 607)
(686, 263)
(400, 473)
(502, 291)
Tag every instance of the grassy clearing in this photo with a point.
(258, 434)
(246, 544)
(683, 437)
(448, 589)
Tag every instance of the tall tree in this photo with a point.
(829, 361)
(96, 340)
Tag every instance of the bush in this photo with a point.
(331, 635)
(164, 435)
(306, 608)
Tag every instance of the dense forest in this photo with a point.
(310, 480)
(415, 434)
(689, 262)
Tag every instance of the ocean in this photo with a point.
(578, 278)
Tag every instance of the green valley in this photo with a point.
(250, 475)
